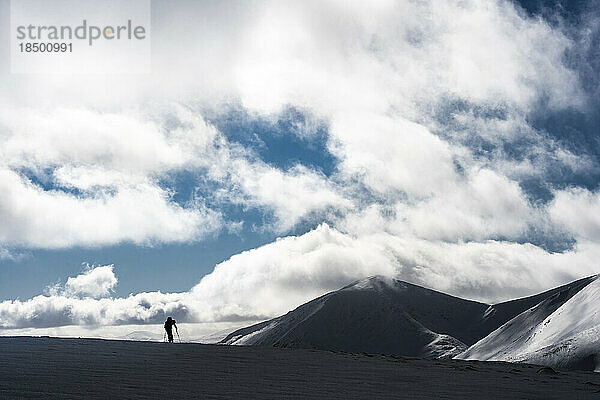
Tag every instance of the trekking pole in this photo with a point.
(178, 337)
(164, 336)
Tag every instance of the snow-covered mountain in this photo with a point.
(375, 315)
(382, 315)
(561, 331)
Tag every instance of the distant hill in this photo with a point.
(383, 315)
(143, 336)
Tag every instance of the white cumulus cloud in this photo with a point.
(96, 282)
(412, 194)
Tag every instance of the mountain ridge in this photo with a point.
(562, 331)
(385, 315)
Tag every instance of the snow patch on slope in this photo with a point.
(567, 336)
(250, 338)
(377, 283)
(579, 314)
(581, 351)
(263, 332)
(443, 346)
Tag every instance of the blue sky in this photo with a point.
(175, 267)
(299, 146)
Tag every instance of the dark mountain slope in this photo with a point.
(382, 315)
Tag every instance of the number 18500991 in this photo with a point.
(46, 47)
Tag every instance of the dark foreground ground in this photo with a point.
(48, 368)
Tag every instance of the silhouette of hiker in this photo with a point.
(169, 324)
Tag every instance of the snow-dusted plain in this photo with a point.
(48, 368)
(559, 327)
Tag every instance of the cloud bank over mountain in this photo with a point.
(441, 175)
